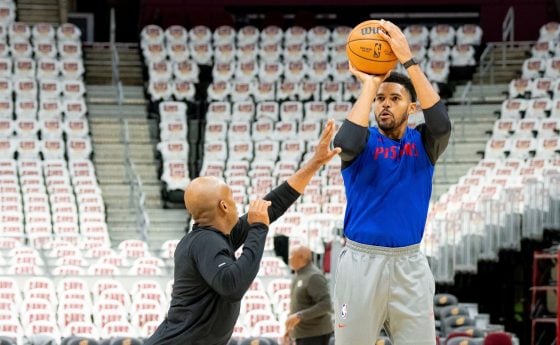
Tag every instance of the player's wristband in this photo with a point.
(410, 63)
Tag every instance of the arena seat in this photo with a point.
(79, 340)
(498, 338)
(464, 341)
(125, 341)
(6, 340)
(472, 331)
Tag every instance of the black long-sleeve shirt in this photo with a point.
(209, 282)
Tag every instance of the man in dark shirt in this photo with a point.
(209, 282)
(310, 320)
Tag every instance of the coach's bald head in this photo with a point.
(210, 202)
(300, 256)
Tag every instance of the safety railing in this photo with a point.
(508, 26)
(486, 66)
(63, 11)
(552, 216)
(136, 197)
(466, 105)
(136, 200)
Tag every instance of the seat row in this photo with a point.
(544, 87)
(112, 312)
(13, 31)
(416, 34)
(44, 68)
(536, 67)
(527, 127)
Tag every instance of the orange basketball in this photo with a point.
(368, 51)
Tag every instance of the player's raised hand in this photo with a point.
(365, 78)
(396, 39)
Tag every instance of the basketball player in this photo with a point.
(209, 282)
(382, 278)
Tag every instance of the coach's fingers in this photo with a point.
(262, 205)
(258, 212)
(334, 152)
(328, 132)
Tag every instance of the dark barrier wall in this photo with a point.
(529, 14)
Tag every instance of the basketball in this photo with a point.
(368, 51)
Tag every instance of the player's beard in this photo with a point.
(390, 124)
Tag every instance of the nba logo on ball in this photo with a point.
(344, 311)
(377, 50)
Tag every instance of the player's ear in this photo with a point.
(412, 107)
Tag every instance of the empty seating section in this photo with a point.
(283, 83)
(444, 50)
(268, 93)
(50, 194)
(53, 231)
(65, 306)
(513, 192)
(174, 148)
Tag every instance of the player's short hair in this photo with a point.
(399, 78)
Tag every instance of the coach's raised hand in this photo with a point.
(323, 154)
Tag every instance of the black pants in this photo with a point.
(318, 340)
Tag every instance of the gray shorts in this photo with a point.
(377, 286)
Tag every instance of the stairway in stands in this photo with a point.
(98, 63)
(471, 130)
(507, 63)
(38, 11)
(109, 149)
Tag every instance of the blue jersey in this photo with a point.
(388, 189)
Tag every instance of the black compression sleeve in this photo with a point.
(436, 130)
(352, 139)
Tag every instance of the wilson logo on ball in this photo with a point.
(372, 30)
